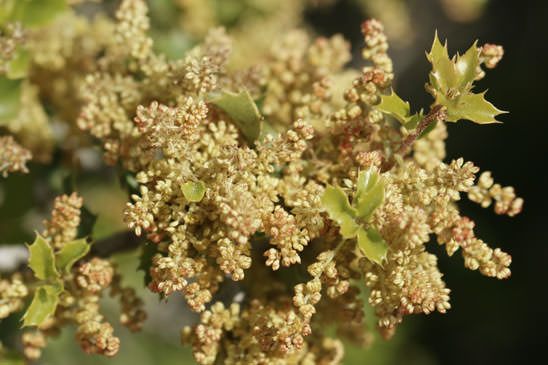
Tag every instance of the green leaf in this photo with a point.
(372, 245)
(428, 129)
(43, 305)
(243, 111)
(392, 104)
(71, 252)
(466, 67)
(335, 202)
(369, 193)
(470, 106)
(36, 13)
(10, 98)
(456, 73)
(443, 75)
(42, 260)
(194, 191)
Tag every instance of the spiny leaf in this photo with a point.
(443, 75)
(456, 73)
(392, 104)
(71, 252)
(466, 67)
(36, 13)
(369, 194)
(42, 260)
(43, 304)
(243, 111)
(372, 245)
(10, 98)
(470, 106)
(194, 190)
(335, 202)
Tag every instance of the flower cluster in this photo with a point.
(13, 157)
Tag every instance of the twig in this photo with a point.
(121, 241)
(436, 113)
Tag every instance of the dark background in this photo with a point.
(492, 321)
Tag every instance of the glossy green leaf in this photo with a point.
(36, 13)
(369, 193)
(43, 305)
(10, 98)
(466, 67)
(194, 191)
(392, 104)
(443, 75)
(71, 252)
(470, 106)
(456, 74)
(243, 111)
(335, 202)
(42, 260)
(372, 245)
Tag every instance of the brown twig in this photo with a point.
(436, 113)
(121, 241)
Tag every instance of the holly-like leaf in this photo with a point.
(36, 13)
(10, 98)
(466, 67)
(42, 260)
(71, 252)
(194, 191)
(372, 245)
(455, 74)
(335, 202)
(369, 193)
(443, 75)
(393, 105)
(472, 107)
(243, 111)
(43, 304)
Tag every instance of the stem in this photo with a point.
(121, 241)
(436, 113)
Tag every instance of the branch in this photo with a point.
(436, 113)
(121, 241)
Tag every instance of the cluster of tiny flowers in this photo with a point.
(486, 191)
(13, 157)
(13, 293)
(65, 219)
